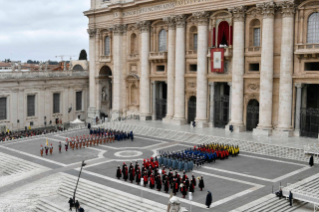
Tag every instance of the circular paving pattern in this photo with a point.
(128, 153)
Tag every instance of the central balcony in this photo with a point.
(158, 57)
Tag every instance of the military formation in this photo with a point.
(150, 175)
(96, 137)
(199, 155)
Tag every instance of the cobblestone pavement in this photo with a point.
(233, 182)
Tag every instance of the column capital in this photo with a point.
(144, 26)
(267, 9)
(180, 21)
(170, 21)
(91, 32)
(287, 8)
(119, 29)
(298, 85)
(238, 12)
(201, 18)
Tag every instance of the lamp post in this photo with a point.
(82, 165)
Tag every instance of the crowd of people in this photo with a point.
(96, 137)
(10, 135)
(200, 154)
(150, 175)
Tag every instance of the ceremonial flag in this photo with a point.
(217, 60)
(47, 142)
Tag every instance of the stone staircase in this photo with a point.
(193, 138)
(270, 203)
(103, 198)
(45, 206)
(10, 165)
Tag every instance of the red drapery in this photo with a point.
(231, 36)
(214, 36)
(223, 30)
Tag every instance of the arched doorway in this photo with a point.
(191, 109)
(105, 91)
(252, 115)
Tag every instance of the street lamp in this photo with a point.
(82, 165)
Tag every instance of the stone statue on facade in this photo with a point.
(46, 66)
(64, 66)
(104, 95)
(19, 66)
(174, 205)
(40, 66)
(13, 66)
(70, 65)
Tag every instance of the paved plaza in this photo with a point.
(34, 183)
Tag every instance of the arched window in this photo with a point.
(193, 38)
(162, 41)
(133, 44)
(107, 46)
(313, 28)
(255, 32)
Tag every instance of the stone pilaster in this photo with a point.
(118, 31)
(179, 106)
(145, 113)
(154, 101)
(298, 109)
(212, 103)
(171, 22)
(201, 90)
(230, 99)
(286, 68)
(237, 98)
(267, 69)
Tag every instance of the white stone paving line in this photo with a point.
(273, 160)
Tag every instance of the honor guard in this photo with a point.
(60, 146)
(41, 150)
(51, 149)
(46, 150)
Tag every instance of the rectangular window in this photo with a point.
(3, 108)
(193, 67)
(79, 100)
(314, 66)
(195, 42)
(160, 68)
(254, 67)
(56, 103)
(257, 37)
(31, 105)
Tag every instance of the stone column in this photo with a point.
(145, 113)
(92, 50)
(298, 108)
(212, 102)
(286, 68)
(98, 93)
(267, 69)
(179, 106)
(118, 31)
(230, 99)
(154, 101)
(201, 90)
(237, 102)
(170, 68)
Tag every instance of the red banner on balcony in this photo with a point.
(217, 60)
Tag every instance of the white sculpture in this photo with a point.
(174, 205)
(46, 65)
(40, 66)
(19, 66)
(13, 66)
(104, 95)
(70, 66)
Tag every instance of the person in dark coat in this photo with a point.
(125, 173)
(81, 209)
(279, 194)
(118, 172)
(290, 198)
(311, 161)
(184, 189)
(77, 205)
(158, 183)
(201, 184)
(138, 176)
(209, 199)
(132, 174)
(166, 185)
(71, 203)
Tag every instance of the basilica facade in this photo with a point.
(249, 64)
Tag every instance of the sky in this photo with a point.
(43, 29)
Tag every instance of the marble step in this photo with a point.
(94, 190)
(47, 206)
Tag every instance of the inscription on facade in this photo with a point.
(161, 7)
